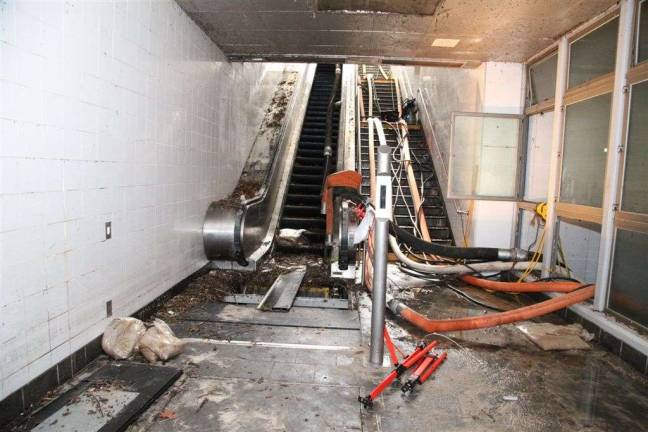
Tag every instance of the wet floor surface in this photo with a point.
(498, 380)
(493, 379)
(243, 376)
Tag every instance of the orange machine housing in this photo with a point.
(342, 179)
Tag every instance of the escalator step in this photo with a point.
(302, 207)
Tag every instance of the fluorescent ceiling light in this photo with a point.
(445, 43)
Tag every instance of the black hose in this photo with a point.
(472, 253)
(451, 288)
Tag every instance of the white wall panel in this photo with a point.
(120, 111)
(493, 221)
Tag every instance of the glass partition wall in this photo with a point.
(584, 152)
(628, 295)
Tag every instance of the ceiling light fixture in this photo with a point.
(445, 43)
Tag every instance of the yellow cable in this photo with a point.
(535, 259)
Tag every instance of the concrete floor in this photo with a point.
(314, 383)
(278, 376)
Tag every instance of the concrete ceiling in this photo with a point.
(396, 30)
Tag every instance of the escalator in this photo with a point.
(302, 206)
(237, 235)
(386, 100)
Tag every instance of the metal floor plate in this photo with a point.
(107, 401)
(281, 294)
(264, 333)
(295, 317)
(90, 412)
(307, 302)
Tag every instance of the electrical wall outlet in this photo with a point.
(108, 230)
(108, 308)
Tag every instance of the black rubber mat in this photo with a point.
(108, 400)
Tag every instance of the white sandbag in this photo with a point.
(121, 337)
(159, 342)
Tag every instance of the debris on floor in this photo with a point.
(108, 400)
(217, 284)
(552, 337)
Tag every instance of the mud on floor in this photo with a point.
(216, 284)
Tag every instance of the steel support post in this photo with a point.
(615, 154)
(555, 166)
(383, 206)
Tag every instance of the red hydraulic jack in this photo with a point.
(400, 368)
(423, 372)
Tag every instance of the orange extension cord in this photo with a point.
(521, 287)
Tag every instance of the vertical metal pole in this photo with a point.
(383, 206)
(615, 152)
(556, 155)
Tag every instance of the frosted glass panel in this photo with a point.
(635, 194)
(538, 156)
(585, 151)
(594, 54)
(629, 291)
(580, 244)
(484, 156)
(542, 77)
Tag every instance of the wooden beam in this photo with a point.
(592, 88)
(540, 107)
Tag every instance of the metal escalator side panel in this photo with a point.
(262, 217)
(307, 177)
(232, 236)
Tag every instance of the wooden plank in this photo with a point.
(638, 73)
(595, 87)
(579, 212)
(541, 107)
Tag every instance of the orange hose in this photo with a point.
(492, 320)
(521, 287)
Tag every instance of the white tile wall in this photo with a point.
(120, 111)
